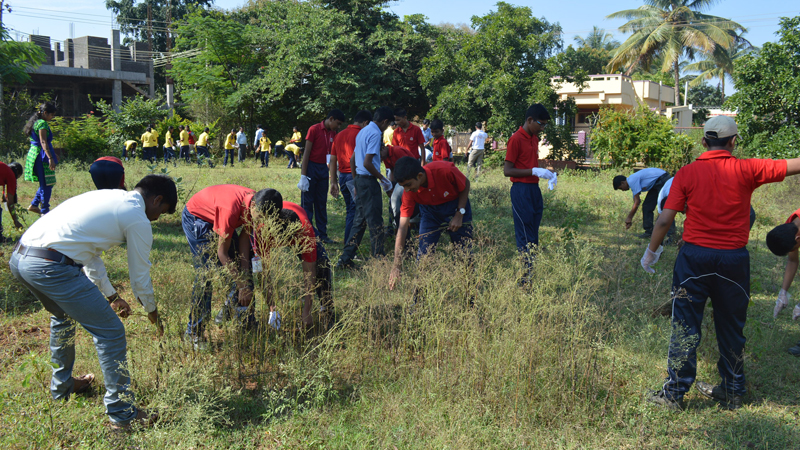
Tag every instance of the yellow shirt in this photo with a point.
(265, 144)
(296, 137)
(147, 139)
(202, 141)
(184, 137)
(129, 144)
(154, 137)
(168, 142)
(294, 149)
(230, 142)
(387, 136)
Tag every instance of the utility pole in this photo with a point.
(168, 67)
(150, 28)
(2, 93)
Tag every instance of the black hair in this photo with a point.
(187, 127)
(437, 124)
(781, 240)
(268, 201)
(362, 116)
(206, 129)
(233, 130)
(406, 168)
(478, 125)
(426, 122)
(664, 202)
(537, 112)
(259, 126)
(16, 168)
(383, 113)
(170, 127)
(180, 127)
(154, 185)
(336, 114)
(717, 143)
(287, 216)
(400, 112)
(149, 129)
(294, 127)
(618, 181)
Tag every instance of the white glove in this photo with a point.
(303, 184)
(650, 258)
(275, 320)
(388, 173)
(780, 303)
(796, 312)
(551, 183)
(385, 184)
(542, 173)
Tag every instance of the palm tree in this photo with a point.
(720, 63)
(598, 39)
(670, 29)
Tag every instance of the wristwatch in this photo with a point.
(462, 211)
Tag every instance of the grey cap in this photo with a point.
(720, 127)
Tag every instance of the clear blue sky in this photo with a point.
(90, 17)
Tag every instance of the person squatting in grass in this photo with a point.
(441, 148)
(408, 135)
(522, 167)
(340, 174)
(390, 154)
(314, 175)
(40, 163)
(108, 173)
(785, 240)
(8, 179)
(366, 164)
(316, 266)
(48, 261)
(651, 180)
(715, 188)
(442, 193)
(220, 210)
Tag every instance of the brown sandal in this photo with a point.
(82, 383)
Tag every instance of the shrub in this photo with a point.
(134, 115)
(631, 137)
(85, 138)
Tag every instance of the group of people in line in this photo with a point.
(222, 226)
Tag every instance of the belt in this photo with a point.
(358, 175)
(45, 253)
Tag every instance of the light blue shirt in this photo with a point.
(368, 142)
(644, 179)
(664, 193)
(259, 133)
(428, 135)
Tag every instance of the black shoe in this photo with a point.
(644, 236)
(659, 398)
(345, 265)
(224, 315)
(727, 400)
(795, 351)
(327, 240)
(6, 240)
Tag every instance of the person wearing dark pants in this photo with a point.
(650, 180)
(314, 172)
(241, 142)
(522, 167)
(108, 173)
(340, 172)
(431, 187)
(183, 142)
(222, 209)
(784, 240)
(40, 163)
(230, 147)
(713, 263)
(369, 182)
(169, 145)
(202, 148)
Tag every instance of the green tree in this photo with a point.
(598, 39)
(720, 64)
(133, 117)
(768, 95)
(671, 30)
(16, 58)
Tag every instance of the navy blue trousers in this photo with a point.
(200, 236)
(349, 202)
(527, 206)
(434, 220)
(724, 276)
(315, 200)
(169, 154)
(107, 174)
(228, 152)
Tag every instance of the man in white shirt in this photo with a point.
(476, 152)
(256, 141)
(241, 139)
(48, 261)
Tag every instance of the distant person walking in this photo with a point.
(477, 142)
(40, 164)
(241, 141)
(341, 176)
(230, 146)
(149, 144)
(202, 148)
(184, 143)
(169, 145)
(257, 140)
(441, 148)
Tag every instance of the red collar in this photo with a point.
(715, 154)
(431, 183)
(524, 133)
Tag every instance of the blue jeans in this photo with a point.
(184, 152)
(202, 152)
(43, 193)
(431, 225)
(264, 159)
(349, 202)
(149, 154)
(169, 154)
(369, 213)
(527, 206)
(228, 152)
(724, 276)
(292, 159)
(70, 297)
(315, 200)
(199, 235)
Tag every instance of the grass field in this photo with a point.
(564, 364)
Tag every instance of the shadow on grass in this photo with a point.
(751, 429)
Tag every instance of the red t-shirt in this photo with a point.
(715, 191)
(225, 206)
(321, 141)
(441, 149)
(8, 180)
(396, 152)
(445, 182)
(523, 152)
(343, 146)
(305, 238)
(794, 215)
(409, 139)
